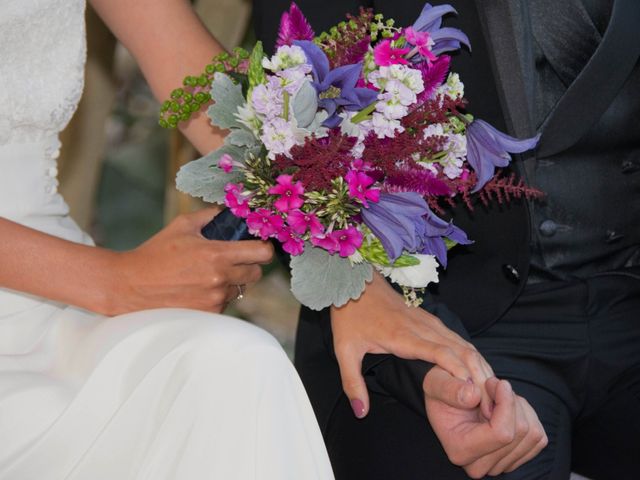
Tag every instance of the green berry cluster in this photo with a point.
(194, 94)
(381, 28)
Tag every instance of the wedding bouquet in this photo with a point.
(346, 147)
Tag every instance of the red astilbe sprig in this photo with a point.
(348, 42)
(319, 160)
(419, 180)
(504, 188)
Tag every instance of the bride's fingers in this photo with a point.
(350, 363)
(243, 274)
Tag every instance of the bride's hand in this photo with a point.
(380, 322)
(178, 267)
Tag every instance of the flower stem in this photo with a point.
(286, 98)
(363, 114)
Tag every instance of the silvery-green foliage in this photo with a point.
(227, 97)
(305, 105)
(202, 178)
(241, 138)
(319, 280)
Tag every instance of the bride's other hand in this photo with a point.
(380, 322)
(178, 267)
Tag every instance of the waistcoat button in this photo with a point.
(629, 166)
(511, 273)
(548, 228)
(613, 236)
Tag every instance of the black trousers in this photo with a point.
(571, 349)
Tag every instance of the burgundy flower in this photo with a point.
(294, 26)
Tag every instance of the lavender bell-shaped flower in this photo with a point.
(433, 232)
(396, 219)
(445, 39)
(336, 88)
(488, 148)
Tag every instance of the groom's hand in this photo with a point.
(512, 435)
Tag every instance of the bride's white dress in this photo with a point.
(162, 394)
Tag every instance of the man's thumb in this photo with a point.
(441, 385)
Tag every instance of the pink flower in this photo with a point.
(291, 243)
(226, 163)
(385, 54)
(289, 193)
(348, 240)
(236, 201)
(300, 222)
(423, 43)
(264, 223)
(327, 242)
(359, 184)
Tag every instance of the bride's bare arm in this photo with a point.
(169, 42)
(175, 268)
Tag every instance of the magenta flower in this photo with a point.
(294, 26)
(289, 193)
(422, 43)
(348, 241)
(301, 222)
(327, 242)
(291, 243)
(385, 54)
(359, 184)
(236, 201)
(264, 223)
(226, 163)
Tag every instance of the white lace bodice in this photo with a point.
(42, 55)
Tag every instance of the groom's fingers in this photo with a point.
(441, 385)
(353, 384)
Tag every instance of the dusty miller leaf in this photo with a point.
(202, 178)
(241, 138)
(305, 105)
(227, 97)
(319, 280)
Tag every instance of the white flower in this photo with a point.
(392, 106)
(358, 130)
(246, 115)
(279, 136)
(434, 130)
(287, 56)
(385, 127)
(453, 88)
(418, 276)
(267, 99)
(292, 79)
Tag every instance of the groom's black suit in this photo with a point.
(549, 293)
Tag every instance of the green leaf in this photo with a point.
(256, 70)
(305, 105)
(202, 178)
(241, 138)
(319, 280)
(227, 96)
(449, 243)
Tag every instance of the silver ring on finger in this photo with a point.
(240, 295)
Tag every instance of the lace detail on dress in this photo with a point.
(42, 52)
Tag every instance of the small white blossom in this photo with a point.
(418, 276)
(453, 88)
(287, 56)
(358, 130)
(385, 127)
(267, 99)
(246, 115)
(279, 136)
(391, 106)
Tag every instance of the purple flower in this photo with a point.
(433, 75)
(433, 231)
(396, 220)
(300, 222)
(264, 223)
(444, 39)
(294, 26)
(336, 88)
(422, 43)
(289, 193)
(359, 183)
(385, 54)
(488, 148)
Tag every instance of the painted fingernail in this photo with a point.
(358, 408)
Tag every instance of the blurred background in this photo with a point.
(117, 168)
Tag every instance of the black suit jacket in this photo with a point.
(484, 279)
